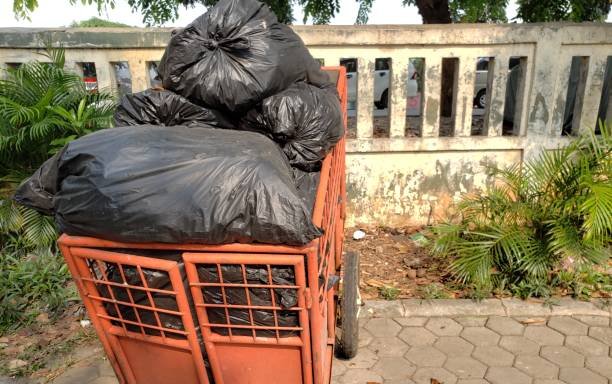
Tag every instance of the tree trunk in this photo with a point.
(434, 11)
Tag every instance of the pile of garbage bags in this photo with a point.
(228, 151)
(284, 298)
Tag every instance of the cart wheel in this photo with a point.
(350, 302)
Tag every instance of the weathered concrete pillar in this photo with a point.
(139, 74)
(105, 74)
(592, 92)
(496, 94)
(465, 96)
(3, 68)
(365, 96)
(398, 94)
(542, 95)
(431, 96)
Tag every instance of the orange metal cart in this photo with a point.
(203, 350)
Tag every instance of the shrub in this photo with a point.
(552, 214)
(42, 107)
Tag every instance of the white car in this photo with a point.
(482, 73)
(381, 82)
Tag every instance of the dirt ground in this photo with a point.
(395, 264)
(45, 349)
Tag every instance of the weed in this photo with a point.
(433, 291)
(388, 292)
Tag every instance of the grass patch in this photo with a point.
(388, 292)
(433, 291)
(30, 285)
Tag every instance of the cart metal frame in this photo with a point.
(147, 354)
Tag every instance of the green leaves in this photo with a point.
(41, 102)
(533, 11)
(42, 108)
(554, 213)
(34, 230)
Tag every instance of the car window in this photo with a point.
(349, 64)
(482, 65)
(382, 64)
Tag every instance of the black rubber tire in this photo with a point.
(479, 97)
(347, 342)
(384, 100)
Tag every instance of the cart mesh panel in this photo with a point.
(250, 299)
(331, 219)
(137, 299)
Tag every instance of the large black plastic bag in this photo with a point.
(284, 298)
(305, 120)
(307, 184)
(163, 107)
(178, 185)
(235, 55)
(38, 191)
(156, 279)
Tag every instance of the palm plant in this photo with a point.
(553, 213)
(42, 107)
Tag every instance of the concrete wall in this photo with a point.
(395, 178)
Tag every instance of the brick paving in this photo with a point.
(460, 342)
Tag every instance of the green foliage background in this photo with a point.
(157, 12)
(42, 107)
(544, 224)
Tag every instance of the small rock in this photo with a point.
(26, 332)
(43, 318)
(43, 342)
(4, 340)
(16, 364)
(85, 323)
(421, 272)
(358, 234)
(380, 250)
(3, 345)
(414, 261)
(419, 239)
(412, 274)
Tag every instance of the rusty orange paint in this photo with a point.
(144, 353)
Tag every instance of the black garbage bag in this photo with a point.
(236, 55)
(284, 299)
(305, 120)
(179, 185)
(163, 107)
(307, 184)
(38, 191)
(153, 278)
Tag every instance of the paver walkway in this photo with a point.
(462, 342)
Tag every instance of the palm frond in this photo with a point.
(597, 211)
(554, 211)
(38, 230)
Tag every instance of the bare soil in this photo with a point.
(45, 349)
(395, 260)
